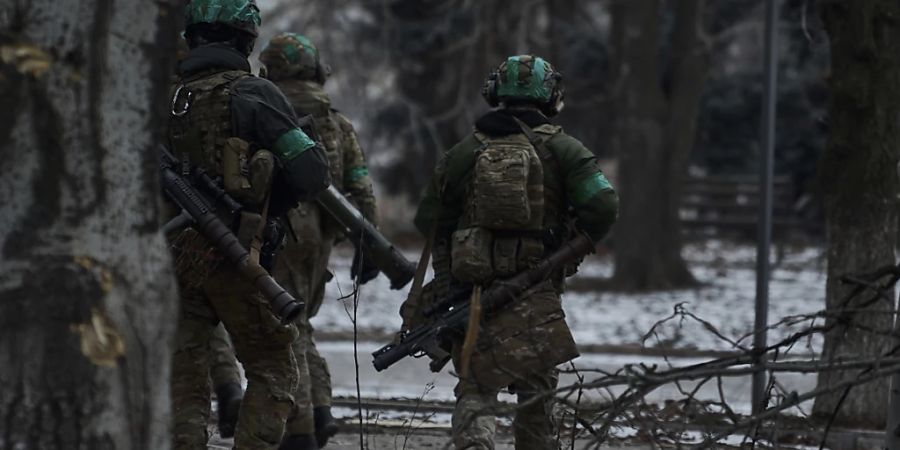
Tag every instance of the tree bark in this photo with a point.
(87, 297)
(860, 184)
(443, 50)
(655, 136)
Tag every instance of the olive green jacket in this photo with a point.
(592, 199)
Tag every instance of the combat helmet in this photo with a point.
(291, 55)
(525, 79)
(238, 14)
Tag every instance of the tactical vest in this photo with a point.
(516, 198)
(201, 135)
(310, 224)
(200, 122)
(308, 99)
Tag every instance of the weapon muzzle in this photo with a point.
(287, 309)
(388, 355)
(399, 270)
(283, 304)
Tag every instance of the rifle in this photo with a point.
(198, 205)
(451, 315)
(385, 256)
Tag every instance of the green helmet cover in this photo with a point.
(291, 55)
(526, 77)
(240, 14)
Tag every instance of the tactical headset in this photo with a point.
(492, 85)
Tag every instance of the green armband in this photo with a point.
(589, 187)
(355, 174)
(291, 144)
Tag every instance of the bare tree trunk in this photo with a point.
(860, 183)
(432, 53)
(87, 298)
(443, 50)
(655, 136)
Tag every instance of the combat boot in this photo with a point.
(298, 442)
(228, 400)
(326, 426)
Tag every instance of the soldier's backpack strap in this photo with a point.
(538, 138)
(538, 141)
(414, 297)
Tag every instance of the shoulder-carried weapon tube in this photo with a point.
(198, 207)
(453, 316)
(383, 253)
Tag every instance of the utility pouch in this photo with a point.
(471, 255)
(234, 163)
(261, 172)
(505, 251)
(247, 227)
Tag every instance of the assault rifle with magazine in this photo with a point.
(450, 316)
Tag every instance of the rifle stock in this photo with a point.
(428, 340)
(197, 207)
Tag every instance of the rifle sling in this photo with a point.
(471, 332)
(415, 291)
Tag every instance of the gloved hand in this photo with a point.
(362, 271)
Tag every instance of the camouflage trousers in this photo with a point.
(224, 369)
(475, 416)
(262, 345)
(518, 347)
(303, 271)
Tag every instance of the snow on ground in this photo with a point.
(726, 300)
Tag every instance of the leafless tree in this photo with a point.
(859, 179)
(655, 136)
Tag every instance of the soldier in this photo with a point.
(292, 62)
(224, 373)
(240, 129)
(500, 200)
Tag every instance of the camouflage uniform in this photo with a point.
(216, 98)
(224, 369)
(302, 267)
(225, 376)
(520, 346)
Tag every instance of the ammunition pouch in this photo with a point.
(479, 255)
(471, 255)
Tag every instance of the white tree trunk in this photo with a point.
(87, 297)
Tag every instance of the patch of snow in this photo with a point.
(725, 300)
